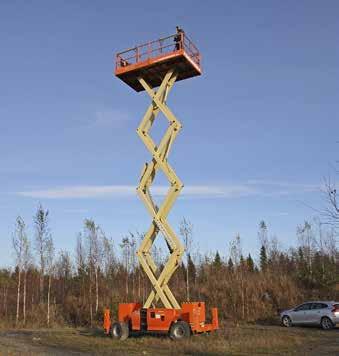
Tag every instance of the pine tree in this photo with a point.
(263, 258)
(217, 260)
(242, 262)
(302, 272)
(250, 263)
(230, 265)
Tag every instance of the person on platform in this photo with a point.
(178, 38)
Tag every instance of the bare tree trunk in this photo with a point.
(139, 284)
(127, 275)
(48, 299)
(187, 283)
(5, 301)
(83, 289)
(18, 298)
(242, 299)
(24, 301)
(54, 316)
(41, 289)
(90, 297)
(186, 231)
(96, 291)
(32, 302)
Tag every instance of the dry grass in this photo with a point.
(232, 340)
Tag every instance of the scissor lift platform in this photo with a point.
(153, 60)
(159, 64)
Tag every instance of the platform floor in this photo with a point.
(153, 70)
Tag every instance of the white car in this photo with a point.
(323, 313)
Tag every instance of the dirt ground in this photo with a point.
(230, 340)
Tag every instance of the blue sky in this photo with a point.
(260, 125)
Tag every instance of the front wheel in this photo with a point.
(286, 321)
(180, 330)
(120, 331)
(326, 323)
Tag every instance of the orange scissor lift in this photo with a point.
(159, 64)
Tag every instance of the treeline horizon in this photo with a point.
(45, 288)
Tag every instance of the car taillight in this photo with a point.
(335, 309)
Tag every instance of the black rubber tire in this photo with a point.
(326, 323)
(180, 330)
(286, 321)
(120, 331)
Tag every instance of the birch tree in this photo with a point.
(80, 260)
(331, 213)
(27, 261)
(125, 247)
(263, 236)
(307, 243)
(20, 242)
(133, 249)
(109, 262)
(186, 232)
(235, 251)
(94, 250)
(63, 267)
(49, 268)
(42, 236)
(140, 237)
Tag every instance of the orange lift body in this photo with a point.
(161, 319)
(152, 61)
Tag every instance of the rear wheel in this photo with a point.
(326, 323)
(120, 331)
(180, 330)
(286, 321)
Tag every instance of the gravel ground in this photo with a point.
(239, 340)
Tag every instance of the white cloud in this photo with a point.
(226, 191)
(116, 191)
(287, 186)
(74, 192)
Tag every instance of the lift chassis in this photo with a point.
(178, 323)
(159, 64)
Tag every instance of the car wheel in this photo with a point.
(286, 321)
(120, 331)
(180, 330)
(326, 323)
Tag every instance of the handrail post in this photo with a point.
(117, 63)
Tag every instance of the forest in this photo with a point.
(45, 287)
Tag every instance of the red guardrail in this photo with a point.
(156, 48)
